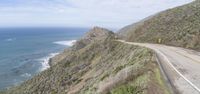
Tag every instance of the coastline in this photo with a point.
(25, 53)
(66, 43)
(46, 61)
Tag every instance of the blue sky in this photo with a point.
(80, 13)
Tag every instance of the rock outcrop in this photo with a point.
(94, 35)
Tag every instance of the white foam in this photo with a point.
(10, 39)
(26, 75)
(45, 61)
(66, 43)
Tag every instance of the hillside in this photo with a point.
(98, 64)
(179, 26)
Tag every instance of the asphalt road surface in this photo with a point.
(180, 66)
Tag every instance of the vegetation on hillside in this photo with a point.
(98, 64)
(103, 66)
(178, 27)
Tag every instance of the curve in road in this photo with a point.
(182, 66)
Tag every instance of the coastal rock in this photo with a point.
(95, 34)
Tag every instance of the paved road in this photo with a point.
(181, 66)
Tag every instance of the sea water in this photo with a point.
(24, 52)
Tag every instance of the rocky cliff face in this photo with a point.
(98, 64)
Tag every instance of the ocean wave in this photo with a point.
(66, 43)
(45, 61)
(10, 39)
(26, 75)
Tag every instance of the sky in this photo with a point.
(80, 13)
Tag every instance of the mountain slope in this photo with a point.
(102, 65)
(178, 27)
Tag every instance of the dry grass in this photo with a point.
(178, 27)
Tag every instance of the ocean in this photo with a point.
(24, 52)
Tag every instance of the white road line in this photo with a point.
(168, 61)
(194, 86)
